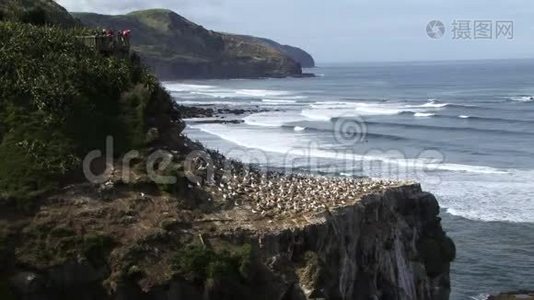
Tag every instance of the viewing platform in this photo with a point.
(117, 45)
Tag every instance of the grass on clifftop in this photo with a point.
(197, 263)
(59, 100)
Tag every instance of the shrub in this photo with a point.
(36, 16)
(96, 247)
(197, 263)
(5, 290)
(59, 100)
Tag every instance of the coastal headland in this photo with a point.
(103, 197)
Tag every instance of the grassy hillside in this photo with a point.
(40, 11)
(178, 48)
(59, 100)
(297, 54)
(161, 33)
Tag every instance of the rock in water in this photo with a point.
(521, 295)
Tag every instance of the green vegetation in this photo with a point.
(162, 34)
(37, 12)
(50, 245)
(59, 100)
(5, 291)
(4, 249)
(36, 16)
(198, 263)
(96, 247)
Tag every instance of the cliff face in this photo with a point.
(389, 245)
(178, 48)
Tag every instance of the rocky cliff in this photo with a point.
(178, 48)
(237, 234)
(521, 295)
(387, 245)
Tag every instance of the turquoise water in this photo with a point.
(465, 130)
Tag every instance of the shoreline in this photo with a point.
(257, 211)
(483, 226)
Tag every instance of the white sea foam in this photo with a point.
(331, 109)
(487, 197)
(267, 119)
(424, 115)
(202, 102)
(321, 114)
(372, 109)
(278, 101)
(468, 168)
(434, 104)
(261, 93)
(480, 297)
(464, 117)
(183, 87)
(327, 111)
(523, 98)
(220, 92)
(298, 128)
(253, 140)
(332, 104)
(196, 120)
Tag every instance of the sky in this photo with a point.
(359, 30)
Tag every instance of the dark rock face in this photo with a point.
(73, 280)
(177, 48)
(302, 57)
(225, 68)
(368, 251)
(523, 295)
(389, 245)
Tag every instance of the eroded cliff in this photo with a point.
(388, 244)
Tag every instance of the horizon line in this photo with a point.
(318, 62)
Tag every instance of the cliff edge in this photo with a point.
(118, 241)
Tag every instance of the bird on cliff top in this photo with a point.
(285, 195)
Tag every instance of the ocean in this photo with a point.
(465, 130)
